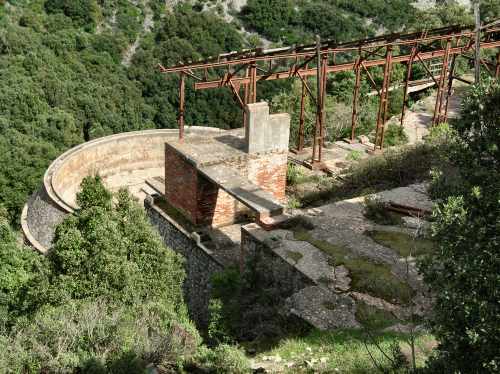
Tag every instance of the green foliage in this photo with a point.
(108, 296)
(18, 268)
(395, 135)
(98, 336)
(378, 212)
(463, 271)
(93, 193)
(82, 12)
(269, 17)
(223, 359)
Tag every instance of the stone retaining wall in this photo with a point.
(200, 264)
(257, 251)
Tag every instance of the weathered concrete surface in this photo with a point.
(266, 132)
(323, 309)
(342, 224)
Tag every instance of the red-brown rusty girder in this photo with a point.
(295, 62)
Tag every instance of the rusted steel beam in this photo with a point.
(330, 47)
(308, 72)
(182, 93)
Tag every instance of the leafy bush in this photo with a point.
(463, 271)
(99, 336)
(395, 135)
(224, 359)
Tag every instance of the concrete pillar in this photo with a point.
(266, 132)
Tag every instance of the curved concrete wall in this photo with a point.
(122, 160)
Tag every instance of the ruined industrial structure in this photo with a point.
(229, 185)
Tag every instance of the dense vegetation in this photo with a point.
(464, 271)
(93, 302)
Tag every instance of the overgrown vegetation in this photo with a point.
(107, 297)
(403, 244)
(463, 270)
(346, 351)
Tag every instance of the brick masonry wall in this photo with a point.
(215, 206)
(200, 265)
(204, 203)
(181, 184)
(268, 171)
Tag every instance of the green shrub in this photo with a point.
(224, 359)
(463, 271)
(99, 336)
(395, 135)
(378, 212)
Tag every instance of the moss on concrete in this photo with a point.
(293, 255)
(403, 244)
(367, 276)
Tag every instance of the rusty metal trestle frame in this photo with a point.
(245, 69)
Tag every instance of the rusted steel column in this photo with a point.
(450, 88)
(383, 103)
(182, 92)
(409, 65)
(253, 82)
(317, 144)
(355, 99)
(300, 142)
(319, 133)
(442, 85)
(246, 96)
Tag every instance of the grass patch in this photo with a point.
(375, 279)
(354, 155)
(295, 256)
(396, 167)
(373, 318)
(403, 244)
(343, 351)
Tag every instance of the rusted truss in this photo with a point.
(243, 70)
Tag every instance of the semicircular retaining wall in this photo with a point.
(122, 160)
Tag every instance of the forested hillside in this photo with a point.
(64, 80)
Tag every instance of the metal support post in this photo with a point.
(477, 46)
(355, 99)
(383, 103)
(182, 91)
(300, 143)
(450, 88)
(442, 85)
